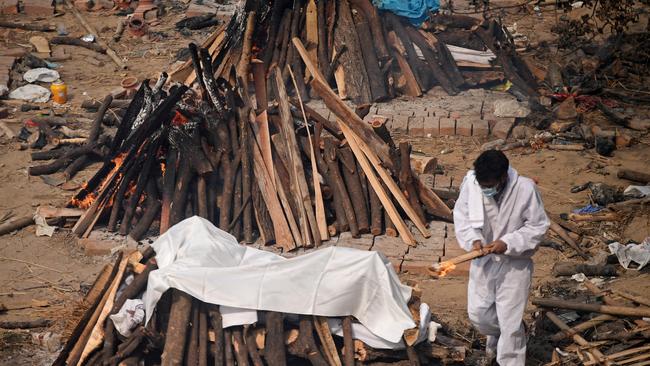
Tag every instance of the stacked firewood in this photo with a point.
(184, 330)
(367, 54)
(278, 170)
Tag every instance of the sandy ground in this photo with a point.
(54, 271)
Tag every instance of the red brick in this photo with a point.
(455, 115)
(416, 126)
(417, 267)
(96, 247)
(38, 8)
(502, 128)
(8, 7)
(464, 127)
(398, 123)
(480, 128)
(431, 126)
(447, 127)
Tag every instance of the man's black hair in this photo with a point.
(491, 166)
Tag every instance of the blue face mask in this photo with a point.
(490, 192)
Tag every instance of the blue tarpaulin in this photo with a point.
(413, 10)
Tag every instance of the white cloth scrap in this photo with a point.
(207, 263)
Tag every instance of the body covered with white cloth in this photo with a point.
(207, 263)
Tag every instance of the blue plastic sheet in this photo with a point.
(416, 11)
(588, 209)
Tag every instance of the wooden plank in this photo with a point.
(326, 339)
(283, 236)
(357, 149)
(318, 194)
(412, 87)
(311, 32)
(297, 170)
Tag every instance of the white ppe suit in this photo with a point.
(499, 283)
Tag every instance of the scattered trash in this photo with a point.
(492, 144)
(59, 92)
(90, 38)
(636, 191)
(42, 228)
(130, 315)
(579, 277)
(41, 74)
(588, 209)
(31, 93)
(50, 341)
(632, 253)
(604, 194)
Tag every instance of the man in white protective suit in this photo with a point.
(501, 213)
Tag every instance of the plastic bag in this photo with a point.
(41, 74)
(31, 93)
(130, 315)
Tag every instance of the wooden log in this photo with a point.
(440, 62)
(412, 86)
(192, 347)
(66, 159)
(323, 43)
(353, 185)
(305, 346)
(339, 188)
(169, 182)
(327, 341)
(217, 327)
(284, 41)
(241, 351)
(379, 126)
(594, 308)
(376, 213)
(282, 232)
(311, 234)
(356, 76)
(283, 33)
(376, 28)
(229, 357)
(579, 328)
(94, 333)
(229, 175)
(418, 67)
(319, 206)
(569, 269)
(16, 224)
(330, 126)
(49, 154)
(407, 181)
(637, 299)
(633, 175)
(176, 334)
(293, 59)
(91, 302)
(243, 66)
(563, 234)
(576, 338)
(251, 345)
(262, 217)
(348, 342)
(274, 348)
(376, 78)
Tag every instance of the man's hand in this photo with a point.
(478, 245)
(496, 247)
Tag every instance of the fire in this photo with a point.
(442, 269)
(85, 202)
(92, 196)
(179, 119)
(162, 168)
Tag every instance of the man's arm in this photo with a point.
(467, 236)
(531, 234)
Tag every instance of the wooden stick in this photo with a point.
(637, 299)
(579, 328)
(95, 333)
(318, 194)
(111, 53)
(179, 317)
(243, 66)
(327, 341)
(576, 338)
(442, 267)
(407, 181)
(16, 224)
(563, 234)
(594, 308)
(296, 171)
(348, 342)
(357, 147)
(354, 188)
(339, 187)
(217, 327)
(274, 349)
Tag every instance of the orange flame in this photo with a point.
(442, 269)
(92, 196)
